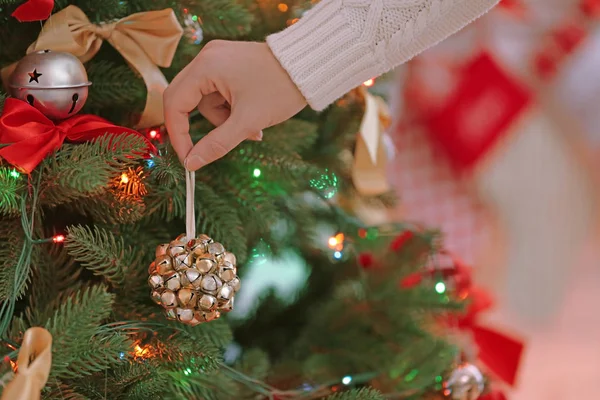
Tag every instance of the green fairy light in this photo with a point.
(194, 18)
(187, 371)
(14, 173)
(372, 233)
(411, 375)
(439, 379)
(440, 287)
(326, 183)
(257, 172)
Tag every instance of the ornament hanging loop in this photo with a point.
(190, 213)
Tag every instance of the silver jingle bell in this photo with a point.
(466, 383)
(55, 83)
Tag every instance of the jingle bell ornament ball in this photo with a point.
(55, 83)
(466, 383)
(194, 280)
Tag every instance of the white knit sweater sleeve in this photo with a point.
(339, 44)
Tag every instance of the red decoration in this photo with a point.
(400, 241)
(494, 395)
(32, 136)
(34, 10)
(58, 238)
(411, 280)
(487, 100)
(366, 260)
(569, 37)
(499, 352)
(591, 8)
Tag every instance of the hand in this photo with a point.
(239, 87)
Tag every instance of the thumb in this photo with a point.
(216, 144)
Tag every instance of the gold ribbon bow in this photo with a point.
(146, 40)
(370, 156)
(34, 363)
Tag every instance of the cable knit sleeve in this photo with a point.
(339, 44)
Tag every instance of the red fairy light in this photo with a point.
(58, 238)
(366, 260)
(153, 133)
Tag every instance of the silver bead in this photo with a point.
(228, 257)
(211, 284)
(172, 281)
(185, 315)
(207, 302)
(156, 281)
(235, 283)
(187, 298)
(227, 307)
(176, 247)
(161, 249)
(216, 249)
(225, 294)
(466, 383)
(182, 261)
(227, 271)
(191, 277)
(168, 299)
(55, 83)
(164, 264)
(205, 265)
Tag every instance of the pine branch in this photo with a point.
(2, 95)
(226, 19)
(220, 222)
(358, 394)
(78, 350)
(293, 136)
(11, 237)
(10, 187)
(5, 2)
(99, 251)
(55, 278)
(115, 85)
(84, 170)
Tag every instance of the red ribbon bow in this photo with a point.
(34, 10)
(499, 352)
(32, 136)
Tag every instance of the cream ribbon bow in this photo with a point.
(369, 173)
(146, 40)
(34, 363)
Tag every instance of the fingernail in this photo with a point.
(192, 163)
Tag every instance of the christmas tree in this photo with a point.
(79, 231)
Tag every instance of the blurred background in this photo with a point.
(497, 139)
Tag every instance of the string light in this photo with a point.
(337, 242)
(14, 173)
(282, 7)
(369, 83)
(153, 133)
(440, 287)
(58, 238)
(187, 371)
(256, 173)
(337, 255)
(122, 355)
(124, 178)
(346, 380)
(150, 163)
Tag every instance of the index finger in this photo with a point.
(180, 98)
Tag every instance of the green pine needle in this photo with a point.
(78, 349)
(358, 394)
(99, 251)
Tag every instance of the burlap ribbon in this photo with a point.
(146, 40)
(34, 363)
(371, 156)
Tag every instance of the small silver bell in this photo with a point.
(55, 83)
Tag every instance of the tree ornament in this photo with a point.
(465, 383)
(194, 280)
(55, 83)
